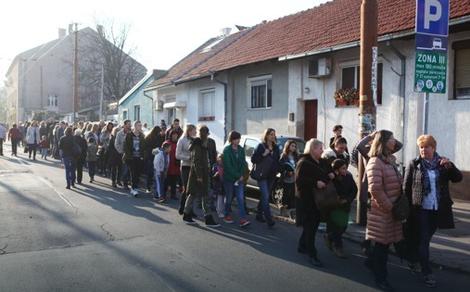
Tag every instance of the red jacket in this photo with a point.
(174, 168)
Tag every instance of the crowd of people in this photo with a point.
(403, 211)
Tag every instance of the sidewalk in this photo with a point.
(450, 249)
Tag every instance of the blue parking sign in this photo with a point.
(432, 17)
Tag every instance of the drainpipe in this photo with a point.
(225, 102)
(153, 107)
(402, 93)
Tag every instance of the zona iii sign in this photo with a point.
(431, 71)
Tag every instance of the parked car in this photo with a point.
(250, 142)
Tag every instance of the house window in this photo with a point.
(260, 92)
(136, 112)
(52, 101)
(124, 114)
(462, 69)
(207, 105)
(350, 78)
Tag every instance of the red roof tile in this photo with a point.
(328, 25)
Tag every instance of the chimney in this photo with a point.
(226, 31)
(71, 28)
(62, 33)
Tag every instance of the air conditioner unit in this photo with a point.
(159, 105)
(319, 68)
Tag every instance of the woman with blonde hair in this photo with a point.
(427, 188)
(312, 173)
(385, 188)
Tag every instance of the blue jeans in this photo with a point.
(265, 187)
(69, 164)
(230, 189)
(125, 174)
(160, 188)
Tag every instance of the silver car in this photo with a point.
(249, 144)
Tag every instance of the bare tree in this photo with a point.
(108, 47)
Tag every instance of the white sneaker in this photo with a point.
(134, 192)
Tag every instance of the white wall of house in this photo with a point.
(448, 117)
(254, 121)
(192, 95)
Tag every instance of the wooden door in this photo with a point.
(311, 119)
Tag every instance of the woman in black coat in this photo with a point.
(266, 157)
(81, 159)
(427, 188)
(114, 160)
(311, 173)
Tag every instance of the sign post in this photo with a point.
(432, 30)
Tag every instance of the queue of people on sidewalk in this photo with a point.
(403, 210)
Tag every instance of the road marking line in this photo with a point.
(49, 184)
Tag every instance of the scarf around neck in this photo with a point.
(426, 166)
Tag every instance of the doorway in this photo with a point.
(311, 119)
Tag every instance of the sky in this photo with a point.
(162, 32)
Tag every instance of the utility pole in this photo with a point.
(102, 92)
(75, 74)
(367, 110)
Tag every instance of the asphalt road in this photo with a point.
(94, 238)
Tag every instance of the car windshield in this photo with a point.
(281, 141)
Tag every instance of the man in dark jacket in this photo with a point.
(68, 150)
(81, 159)
(198, 183)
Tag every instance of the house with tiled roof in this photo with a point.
(39, 81)
(286, 73)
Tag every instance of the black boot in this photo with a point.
(210, 221)
(187, 218)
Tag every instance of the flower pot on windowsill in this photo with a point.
(341, 102)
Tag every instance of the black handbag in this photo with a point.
(401, 208)
(262, 169)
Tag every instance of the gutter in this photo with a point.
(225, 101)
(387, 37)
(402, 92)
(153, 107)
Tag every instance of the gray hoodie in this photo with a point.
(182, 151)
(119, 142)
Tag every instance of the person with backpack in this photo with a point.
(265, 161)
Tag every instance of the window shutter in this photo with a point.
(462, 69)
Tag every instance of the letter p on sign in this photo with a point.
(430, 14)
(432, 17)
